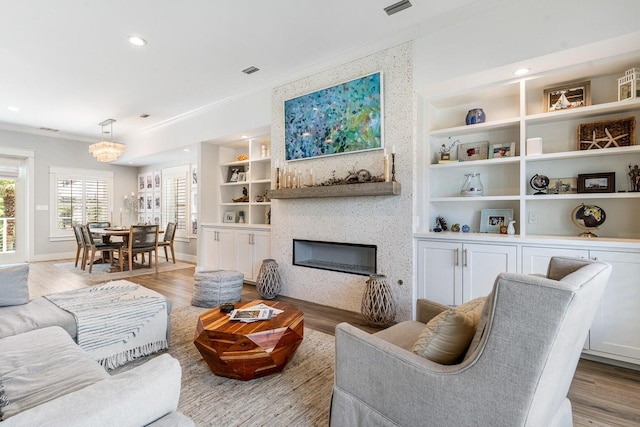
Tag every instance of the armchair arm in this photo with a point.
(427, 310)
(378, 383)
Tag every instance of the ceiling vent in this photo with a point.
(250, 70)
(49, 129)
(397, 7)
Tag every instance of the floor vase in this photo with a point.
(268, 283)
(378, 307)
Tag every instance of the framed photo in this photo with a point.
(507, 149)
(492, 219)
(229, 216)
(242, 176)
(607, 134)
(473, 151)
(149, 180)
(234, 172)
(562, 185)
(141, 182)
(340, 119)
(157, 182)
(570, 95)
(597, 182)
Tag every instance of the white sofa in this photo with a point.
(47, 379)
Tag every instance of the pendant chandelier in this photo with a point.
(106, 150)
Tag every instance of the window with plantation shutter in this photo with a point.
(77, 197)
(175, 199)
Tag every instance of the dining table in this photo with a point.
(108, 232)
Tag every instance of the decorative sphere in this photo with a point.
(465, 228)
(539, 182)
(588, 216)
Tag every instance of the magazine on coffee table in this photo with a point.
(248, 315)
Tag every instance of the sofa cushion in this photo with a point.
(136, 397)
(14, 285)
(41, 365)
(447, 336)
(37, 314)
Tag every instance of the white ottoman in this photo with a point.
(214, 287)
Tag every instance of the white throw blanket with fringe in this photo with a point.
(117, 321)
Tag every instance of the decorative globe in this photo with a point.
(540, 183)
(587, 218)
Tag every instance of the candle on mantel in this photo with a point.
(393, 149)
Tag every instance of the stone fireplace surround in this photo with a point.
(383, 221)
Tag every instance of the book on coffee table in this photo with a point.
(251, 314)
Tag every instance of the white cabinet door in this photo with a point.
(251, 247)
(243, 253)
(261, 250)
(439, 271)
(208, 257)
(616, 327)
(225, 249)
(481, 264)
(535, 260)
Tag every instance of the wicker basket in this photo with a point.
(378, 307)
(607, 134)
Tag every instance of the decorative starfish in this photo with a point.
(594, 143)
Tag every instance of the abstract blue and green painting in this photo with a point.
(339, 119)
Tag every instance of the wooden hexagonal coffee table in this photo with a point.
(246, 351)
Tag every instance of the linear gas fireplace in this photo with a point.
(350, 258)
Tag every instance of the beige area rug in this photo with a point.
(298, 396)
(100, 272)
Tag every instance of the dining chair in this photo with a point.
(167, 241)
(80, 243)
(91, 247)
(98, 224)
(142, 239)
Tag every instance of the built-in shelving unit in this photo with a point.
(515, 113)
(254, 171)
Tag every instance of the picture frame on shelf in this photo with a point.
(507, 149)
(607, 134)
(229, 216)
(233, 173)
(473, 151)
(597, 182)
(242, 176)
(492, 219)
(569, 95)
(562, 185)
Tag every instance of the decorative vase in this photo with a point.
(378, 307)
(474, 116)
(511, 229)
(268, 282)
(472, 185)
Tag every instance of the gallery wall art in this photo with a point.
(340, 119)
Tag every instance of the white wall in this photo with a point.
(61, 153)
(384, 221)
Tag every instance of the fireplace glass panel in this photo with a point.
(344, 257)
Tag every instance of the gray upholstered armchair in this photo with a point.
(517, 371)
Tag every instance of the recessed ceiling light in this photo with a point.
(186, 150)
(521, 71)
(12, 108)
(137, 40)
(144, 116)
(244, 136)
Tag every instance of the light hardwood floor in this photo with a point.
(601, 394)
